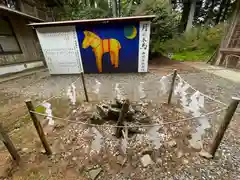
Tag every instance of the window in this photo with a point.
(8, 41)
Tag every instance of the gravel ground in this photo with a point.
(226, 165)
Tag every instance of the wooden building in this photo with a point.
(229, 51)
(19, 45)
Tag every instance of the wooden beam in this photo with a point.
(124, 110)
(230, 50)
(224, 125)
(172, 86)
(38, 127)
(9, 145)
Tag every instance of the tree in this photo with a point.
(114, 8)
(185, 14)
(226, 10)
(219, 15)
(191, 15)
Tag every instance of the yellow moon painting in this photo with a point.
(130, 32)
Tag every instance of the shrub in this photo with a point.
(164, 26)
(197, 44)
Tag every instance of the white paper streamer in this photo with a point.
(197, 102)
(180, 90)
(155, 137)
(124, 141)
(48, 111)
(164, 87)
(97, 87)
(141, 90)
(201, 101)
(178, 87)
(98, 140)
(118, 92)
(71, 93)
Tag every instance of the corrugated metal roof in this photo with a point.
(4, 8)
(104, 20)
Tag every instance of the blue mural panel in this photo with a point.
(111, 47)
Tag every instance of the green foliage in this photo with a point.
(77, 9)
(164, 26)
(197, 44)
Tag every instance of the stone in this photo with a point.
(74, 158)
(179, 110)
(179, 154)
(96, 119)
(102, 111)
(93, 173)
(205, 154)
(24, 149)
(159, 161)
(185, 161)
(146, 160)
(147, 151)
(121, 160)
(172, 143)
(113, 113)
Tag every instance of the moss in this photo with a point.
(192, 56)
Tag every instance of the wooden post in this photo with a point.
(38, 127)
(172, 86)
(9, 145)
(223, 127)
(84, 86)
(124, 110)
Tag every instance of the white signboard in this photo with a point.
(61, 50)
(144, 37)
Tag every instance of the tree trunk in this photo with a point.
(92, 3)
(210, 13)
(119, 8)
(114, 8)
(85, 2)
(184, 18)
(223, 2)
(225, 10)
(191, 15)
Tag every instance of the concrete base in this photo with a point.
(15, 68)
(232, 75)
(22, 74)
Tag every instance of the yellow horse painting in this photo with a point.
(101, 46)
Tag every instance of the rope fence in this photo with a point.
(166, 84)
(139, 126)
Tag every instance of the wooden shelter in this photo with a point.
(229, 51)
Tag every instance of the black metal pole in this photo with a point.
(84, 87)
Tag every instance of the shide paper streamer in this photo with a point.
(141, 90)
(71, 93)
(118, 92)
(193, 105)
(97, 87)
(48, 111)
(164, 84)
